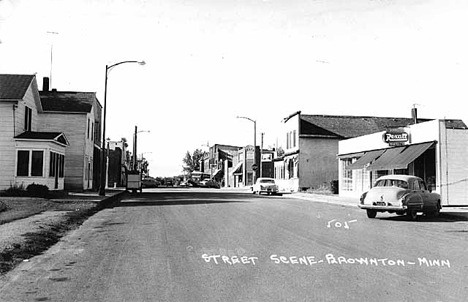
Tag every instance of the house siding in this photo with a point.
(75, 128)
(7, 145)
(453, 167)
(317, 162)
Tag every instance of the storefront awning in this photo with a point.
(367, 158)
(217, 172)
(350, 155)
(237, 169)
(400, 157)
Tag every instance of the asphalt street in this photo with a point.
(213, 245)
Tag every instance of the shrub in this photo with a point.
(3, 206)
(334, 186)
(14, 191)
(37, 190)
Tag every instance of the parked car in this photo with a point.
(400, 194)
(209, 183)
(168, 182)
(265, 185)
(149, 182)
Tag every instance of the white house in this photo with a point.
(77, 115)
(28, 154)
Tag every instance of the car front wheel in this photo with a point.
(371, 213)
(412, 214)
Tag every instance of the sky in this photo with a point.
(210, 61)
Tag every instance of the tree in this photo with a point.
(192, 161)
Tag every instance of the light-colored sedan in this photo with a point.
(265, 185)
(400, 194)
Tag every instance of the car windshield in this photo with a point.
(392, 183)
(268, 181)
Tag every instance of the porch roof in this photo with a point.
(58, 137)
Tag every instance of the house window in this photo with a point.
(52, 164)
(89, 127)
(294, 138)
(30, 161)
(37, 163)
(56, 164)
(27, 118)
(22, 168)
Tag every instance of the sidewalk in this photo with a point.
(459, 213)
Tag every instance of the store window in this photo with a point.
(291, 168)
(347, 175)
(401, 171)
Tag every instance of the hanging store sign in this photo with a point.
(395, 137)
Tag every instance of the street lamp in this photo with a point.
(135, 159)
(102, 187)
(255, 145)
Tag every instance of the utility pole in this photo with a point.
(135, 163)
(261, 154)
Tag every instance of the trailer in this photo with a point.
(134, 182)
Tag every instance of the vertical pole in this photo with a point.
(102, 190)
(255, 151)
(261, 154)
(135, 159)
(107, 166)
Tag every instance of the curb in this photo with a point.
(110, 201)
(448, 212)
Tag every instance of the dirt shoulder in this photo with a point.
(30, 226)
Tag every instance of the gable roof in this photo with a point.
(350, 126)
(14, 86)
(67, 101)
(58, 137)
(336, 126)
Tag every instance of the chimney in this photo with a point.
(414, 114)
(45, 84)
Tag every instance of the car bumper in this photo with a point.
(269, 190)
(389, 208)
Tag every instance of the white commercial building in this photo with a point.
(436, 151)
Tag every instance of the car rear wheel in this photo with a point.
(435, 212)
(412, 214)
(371, 213)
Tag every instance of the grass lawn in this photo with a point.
(23, 207)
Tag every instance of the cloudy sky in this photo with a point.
(209, 61)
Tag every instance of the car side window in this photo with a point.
(423, 185)
(416, 185)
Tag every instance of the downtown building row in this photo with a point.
(51, 137)
(346, 154)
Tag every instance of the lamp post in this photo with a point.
(102, 186)
(135, 156)
(255, 145)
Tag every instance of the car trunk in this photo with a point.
(386, 195)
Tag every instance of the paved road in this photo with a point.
(195, 245)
